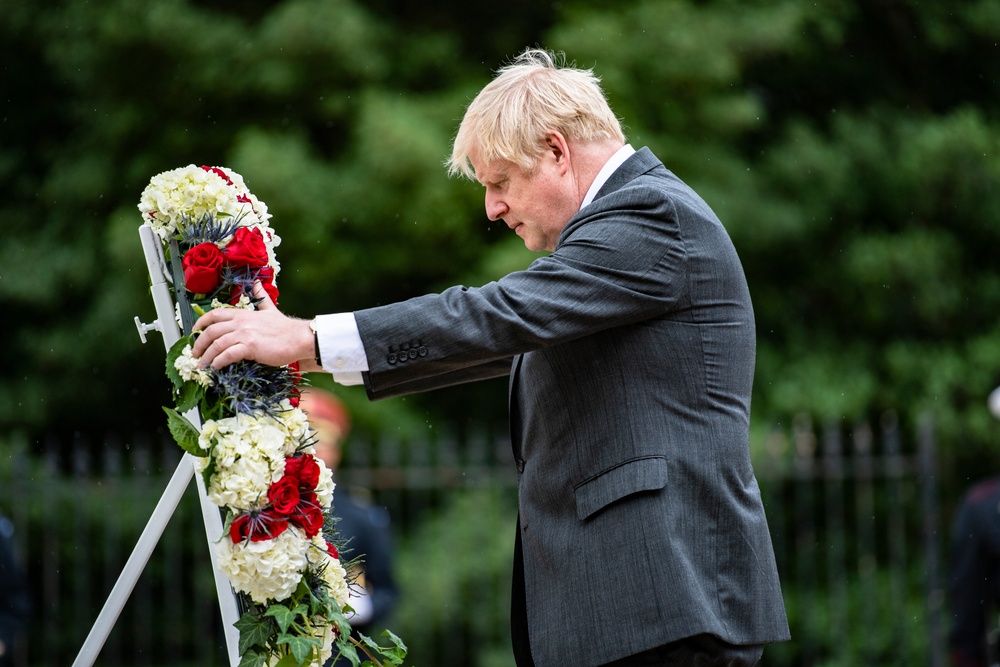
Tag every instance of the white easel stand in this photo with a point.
(167, 325)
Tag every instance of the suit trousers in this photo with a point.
(518, 608)
(696, 651)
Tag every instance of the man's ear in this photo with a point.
(558, 149)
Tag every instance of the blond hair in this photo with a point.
(532, 96)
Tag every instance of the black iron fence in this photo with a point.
(853, 512)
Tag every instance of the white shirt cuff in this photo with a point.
(348, 379)
(340, 347)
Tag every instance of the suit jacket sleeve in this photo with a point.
(619, 261)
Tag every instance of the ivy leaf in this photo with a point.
(206, 474)
(172, 354)
(254, 631)
(189, 395)
(393, 655)
(282, 615)
(397, 653)
(319, 603)
(253, 659)
(349, 652)
(301, 647)
(184, 432)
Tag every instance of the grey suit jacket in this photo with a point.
(631, 352)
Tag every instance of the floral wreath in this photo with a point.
(255, 449)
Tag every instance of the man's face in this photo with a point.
(537, 205)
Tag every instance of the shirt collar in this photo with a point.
(604, 174)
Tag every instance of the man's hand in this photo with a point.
(265, 335)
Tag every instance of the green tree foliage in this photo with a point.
(851, 148)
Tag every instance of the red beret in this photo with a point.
(323, 406)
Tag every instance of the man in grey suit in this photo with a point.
(641, 536)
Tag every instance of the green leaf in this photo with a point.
(206, 474)
(254, 631)
(172, 354)
(282, 615)
(301, 647)
(253, 659)
(349, 652)
(392, 655)
(184, 432)
(397, 653)
(189, 396)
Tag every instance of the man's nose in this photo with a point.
(495, 209)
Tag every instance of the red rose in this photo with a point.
(305, 469)
(308, 517)
(246, 248)
(332, 550)
(284, 495)
(202, 265)
(257, 527)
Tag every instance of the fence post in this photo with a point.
(935, 595)
(804, 442)
(833, 470)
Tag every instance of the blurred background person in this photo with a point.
(15, 602)
(974, 574)
(364, 528)
(974, 581)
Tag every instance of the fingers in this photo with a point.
(224, 351)
(220, 329)
(211, 326)
(260, 293)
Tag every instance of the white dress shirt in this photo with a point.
(340, 345)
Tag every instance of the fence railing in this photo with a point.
(853, 513)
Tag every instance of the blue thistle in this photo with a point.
(248, 387)
(207, 228)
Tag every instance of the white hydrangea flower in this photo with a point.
(325, 486)
(194, 191)
(187, 365)
(296, 425)
(244, 303)
(249, 457)
(336, 578)
(334, 575)
(265, 570)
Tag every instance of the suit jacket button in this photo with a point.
(422, 351)
(412, 354)
(520, 465)
(392, 358)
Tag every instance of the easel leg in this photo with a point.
(227, 598)
(140, 556)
